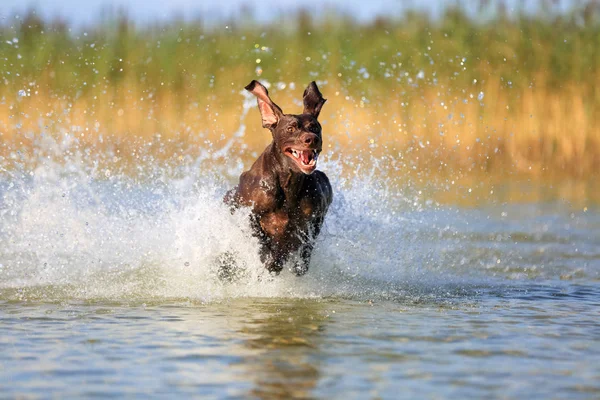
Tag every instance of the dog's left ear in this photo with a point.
(313, 100)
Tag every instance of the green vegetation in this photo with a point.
(519, 91)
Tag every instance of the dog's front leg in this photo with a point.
(273, 257)
(301, 265)
(268, 248)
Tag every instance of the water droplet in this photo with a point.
(22, 93)
(480, 96)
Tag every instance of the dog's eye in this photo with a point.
(314, 128)
(290, 129)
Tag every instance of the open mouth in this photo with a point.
(305, 159)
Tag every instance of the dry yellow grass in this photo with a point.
(535, 131)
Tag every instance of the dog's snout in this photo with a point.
(310, 139)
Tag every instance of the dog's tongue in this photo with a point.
(306, 156)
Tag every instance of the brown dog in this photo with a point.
(288, 196)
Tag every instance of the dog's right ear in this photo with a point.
(269, 111)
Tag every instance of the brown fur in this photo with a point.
(288, 196)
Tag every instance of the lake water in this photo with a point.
(108, 288)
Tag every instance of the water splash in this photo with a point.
(71, 228)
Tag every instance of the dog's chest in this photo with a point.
(292, 216)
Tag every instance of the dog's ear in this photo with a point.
(313, 100)
(269, 111)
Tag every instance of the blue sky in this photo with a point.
(85, 11)
(151, 10)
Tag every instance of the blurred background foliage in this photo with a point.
(474, 91)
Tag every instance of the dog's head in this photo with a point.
(297, 137)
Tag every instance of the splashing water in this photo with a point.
(72, 228)
(78, 236)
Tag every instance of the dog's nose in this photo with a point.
(310, 139)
